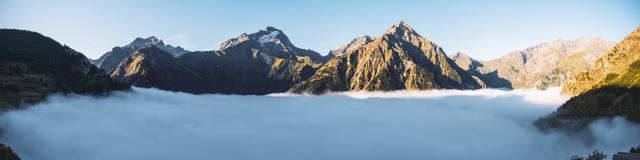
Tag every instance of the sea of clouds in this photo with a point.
(441, 124)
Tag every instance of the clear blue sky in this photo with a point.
(484, 30)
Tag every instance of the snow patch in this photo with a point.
(268, 38)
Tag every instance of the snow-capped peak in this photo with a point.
(139, 42)
(268, 37)
(155, 41)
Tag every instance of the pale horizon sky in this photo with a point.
(483, 30)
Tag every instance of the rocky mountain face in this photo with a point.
(33, 66)
(542, 66)
(616, 67)
(610, 88)
(7, 154)
(465, 61)
(112, 58)
(354, 44)
(399, 59)
(258, 63)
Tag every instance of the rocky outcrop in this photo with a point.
(608, 69)
(542, 66)
(111, 59)
(33, 66)
(354, 44)
(399, 59)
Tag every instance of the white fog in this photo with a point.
(160, 125)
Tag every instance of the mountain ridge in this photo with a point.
(258, 63)
(611, 88)
(399, 59)
(111, 59)
(613, 63)
(548, 64)
(153, 67)
(32, 66)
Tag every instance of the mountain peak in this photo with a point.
(460, 55)
(149, 48)
(403, 24)
(153, 39)
(400, 27)
(157, 42)
(140, 42)
(270, 29)
(402, 30)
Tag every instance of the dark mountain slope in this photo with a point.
(154, 67)
(33, 66)
(7, 154)
(258, 63)
(111, 59)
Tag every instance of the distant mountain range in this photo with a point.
(258, 63)
(110, 59)
(541, 66)
(266, 62)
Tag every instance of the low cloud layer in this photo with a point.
(159, 125)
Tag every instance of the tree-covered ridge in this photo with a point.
(33, 66)
(606, 102)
